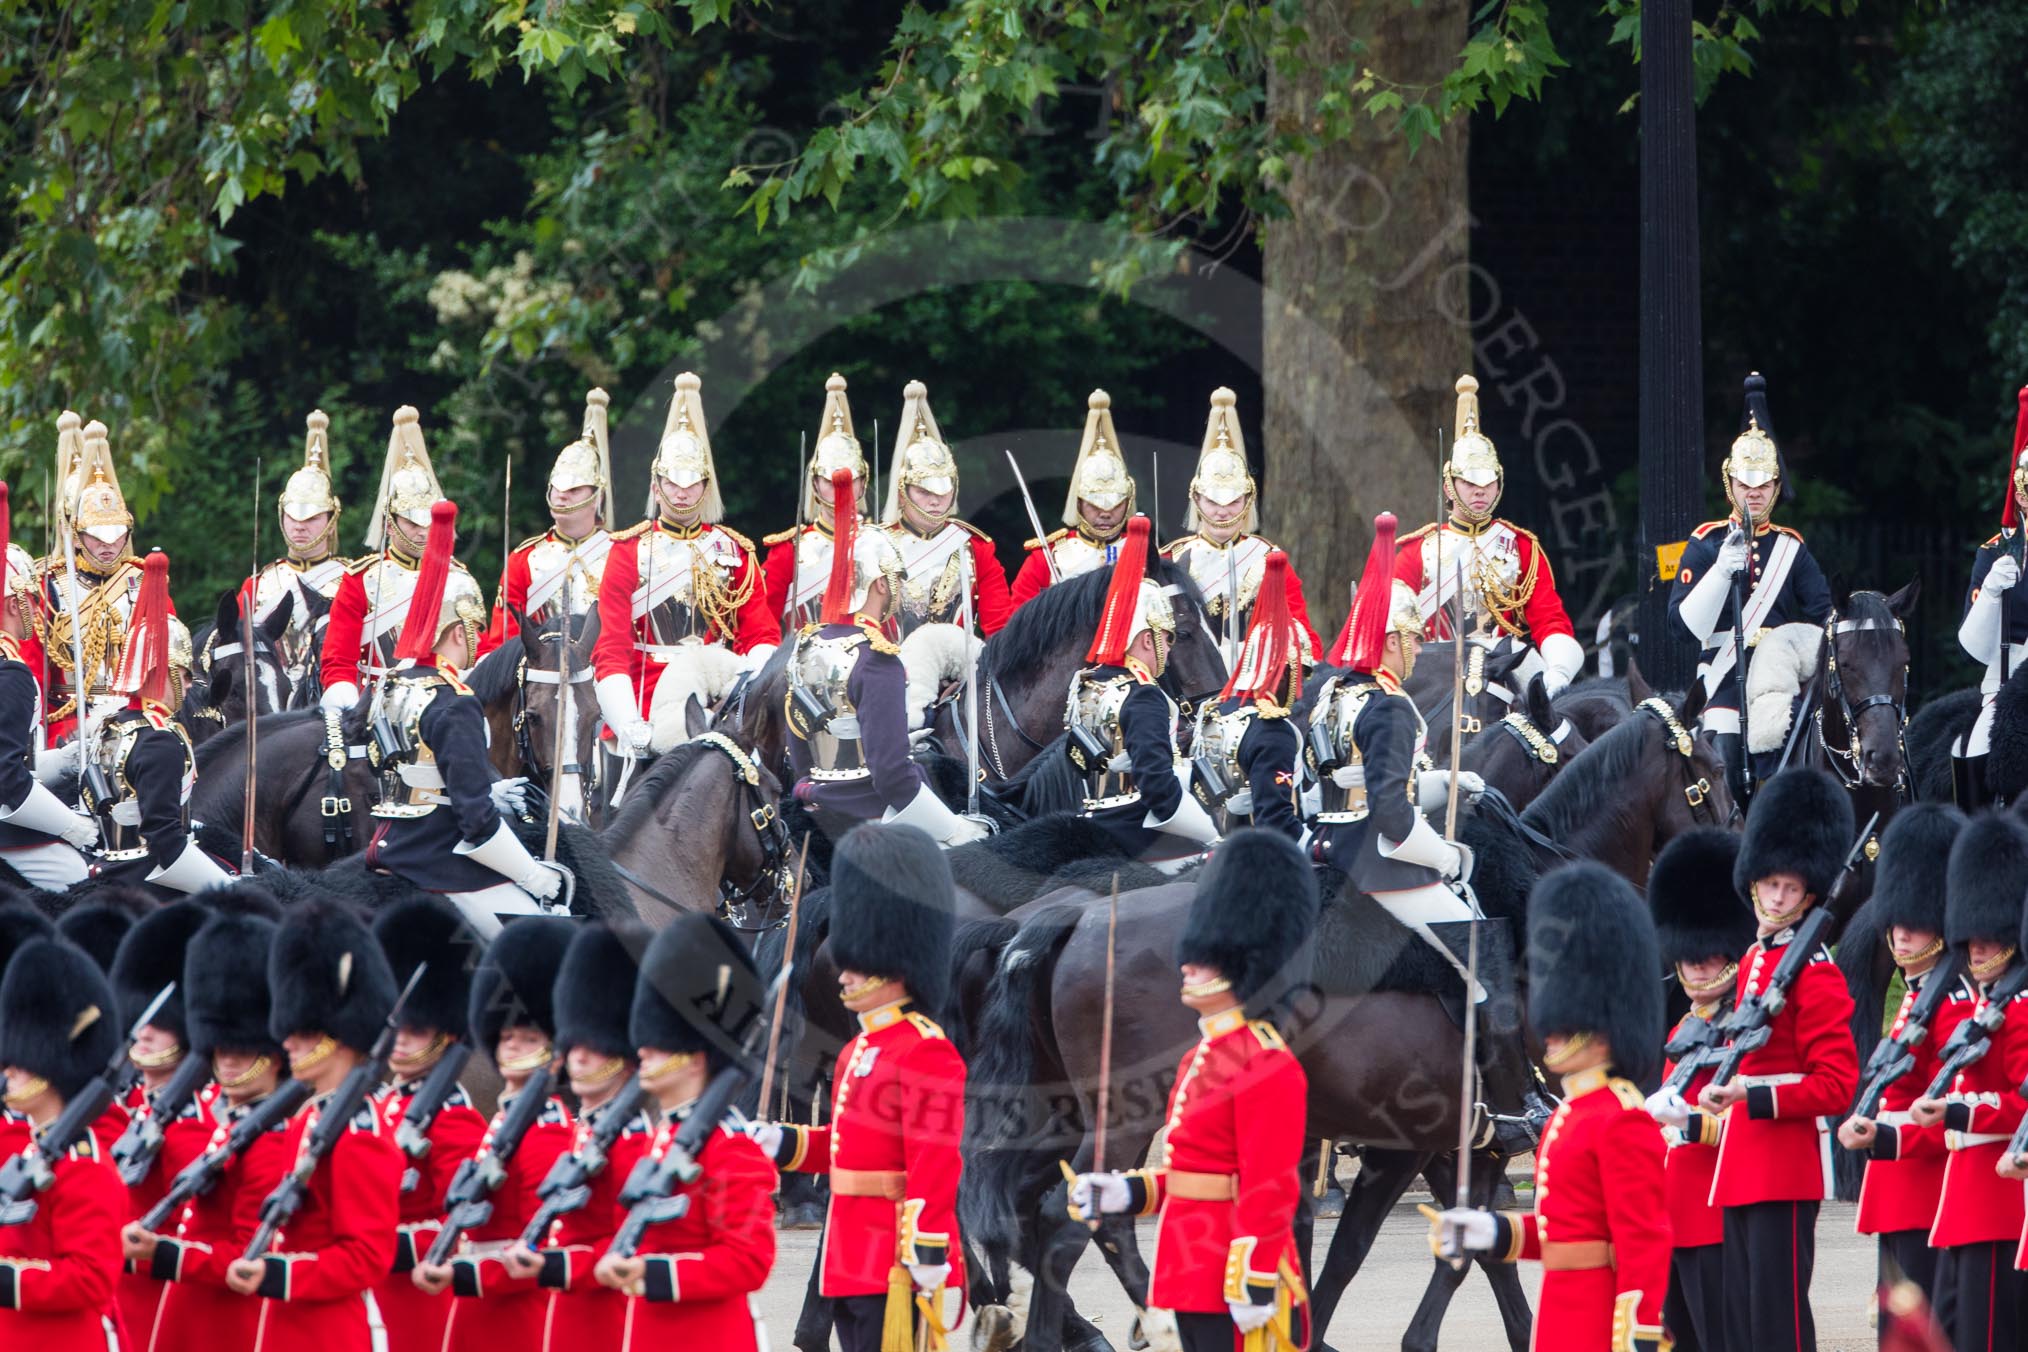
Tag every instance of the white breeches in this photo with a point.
(1433, 904)
(51, 867)
(484, 908)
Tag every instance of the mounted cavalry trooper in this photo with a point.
(557, 572)
(312, 565)
(439, 824)
(682, 604)
(1368, 741)
(1226, 1262)
(891, 1146)
(798, 563)
(139, 764)
(1779, 581)
(1599, 1227)
(1990, 615)
(848, 694)
(940, 554)
(1224, 552)
(1095, 510)
(371, 607)
(1509, 588)
(1122, 724)
(40, 836)
(1248, 751)
(101, 567)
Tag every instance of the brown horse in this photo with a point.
(1520, 753)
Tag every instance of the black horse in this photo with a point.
(222, 670)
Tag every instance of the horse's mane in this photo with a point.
(1596, 689)
(1067, 615)
(496, 672)
(637, 810)
(1592, 791)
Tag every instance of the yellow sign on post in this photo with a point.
(1667, 559)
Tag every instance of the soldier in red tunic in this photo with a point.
(798, 563)
(57, 1032)
(1703, 930)
(513, 1020)
(594, 1001)
(1095, 510)
(411, 932)
(1774, 1155)
(1509, 589)
(558, 571)
(330, 991)
(1600, 1225)
(1226, 1262)
(693, 1280)
(1905, 1162)
(1982, 1298)
(940, 554)
(898, 1091)
(225, 972)
(682, 602)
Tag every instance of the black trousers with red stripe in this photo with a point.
(1694, 1309)
(1770, 1252)
(1205, 1332)
(1981, 1297)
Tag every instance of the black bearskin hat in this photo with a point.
(422, 929)
(1255, 910)
(150, 957)
(1594, 965)
(595, 988)
(56, 1015)
(225, 969)
(326, 974)
(96, 928)
(20, 922)
(1697, 914)
(242, 897)
(698, 990)
(1801, 823)
(1985, 879)
(1913, 876)
(891, 903)
(515, 984)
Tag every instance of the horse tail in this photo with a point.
(1007, 1110)
(976, 946)
(1863, 957)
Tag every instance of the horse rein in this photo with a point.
(769, 828)
(1696, 788)
(1845, 760)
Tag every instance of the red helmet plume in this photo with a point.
(144, 663)
(2010, 515)
(1123, 597)
(1270, 640)
(839, 588)
(426, 603)
(1359, 645)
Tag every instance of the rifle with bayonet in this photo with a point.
(412, 1135)
(568, 1185)
(202, 1174)
(26, 1176)
(333, 1121)
(1697, 1044)
(1971, 1040)
(135, 1152)
(1894, 1057)
(469, 1202)
(1751, 1022)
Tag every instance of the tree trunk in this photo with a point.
(1368, 307)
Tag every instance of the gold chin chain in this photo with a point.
(1915, 964)
(155, 1060)
(611, 1067)
(1720, 984)
(261, 1065)
(870, 984)
(529, 1064)
(1573, 1045)
(1218, 985)
(1983, 972)
(661, 1075)
(316, 1056)
(417, 1061)
(27, 1093)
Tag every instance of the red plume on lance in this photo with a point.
(1365, 633)
(1123, 595)
(2010, 515)
(838, 588)
(1263, 665)
(143, 672)
(426, 603)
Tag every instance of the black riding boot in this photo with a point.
(1968, 782)
(1514, 1109)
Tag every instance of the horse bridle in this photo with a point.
(524, 676)
(772, 876)
(213, 651)
(1845, 761)
(1539, 745)
(1696, 788)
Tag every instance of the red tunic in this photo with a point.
(1982, 1110)
(923, 560)
(1904, 1177)
(587, 1315)
(57, 1269)
(1538, 616)
(1206, 563)
(415, 1320)
(140, 1293)
(624, 616)
(344, 657)
(1604, 1154)
(1236, 1113)
(898, 1109)
(704, 1268)
(1774, 1147)
(1692, 1159)
(1076, 554)
(495, 1311)
(583, 562)
(317, 1294)
(199, 1312)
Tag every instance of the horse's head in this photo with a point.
(1680, 751)
(223, 671)
(1196, 669)
(556, 656)
(1521, 751)
(1865, 685)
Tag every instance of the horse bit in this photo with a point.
(1845, 761)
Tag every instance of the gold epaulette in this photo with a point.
(638, 528)
(877, 640)
(1707, 528)
(1267, 1034)
(1267, 708)
(779, 536)
(1170, 548)
(450, 678)
(972, 530)
(924, 1024)
(354, 567)
(1050, 539)
(1997, 538)
(1628, 1093)
(1787, 530)
(1532, 537)
(1416, 534)
(531, 540)
(737, 538)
